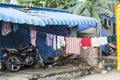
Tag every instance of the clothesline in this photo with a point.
(45, 32)
(42, 32)
(87, 42)
(6, 29)
(71, 41)
(72, 44)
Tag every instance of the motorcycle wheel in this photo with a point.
(31, 61)
(11, 61)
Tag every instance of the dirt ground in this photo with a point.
(113, 75)
(43, 74)
(67, 72)
(24, 75)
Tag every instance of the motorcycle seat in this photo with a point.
(12, 50)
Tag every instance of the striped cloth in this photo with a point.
(73, 45)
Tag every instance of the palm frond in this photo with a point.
(78, 8)
(95, 15)
(104, 11)
(107, 2)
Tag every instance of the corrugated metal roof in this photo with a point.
(42, 16)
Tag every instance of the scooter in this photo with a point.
(15, 59)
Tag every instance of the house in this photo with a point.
(45, 21)
(109, 24)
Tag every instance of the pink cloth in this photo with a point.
(49, 39)
(73, 45)
(6, 28)
(33, 37)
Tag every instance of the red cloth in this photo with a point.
(86, 42)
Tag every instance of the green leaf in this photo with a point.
(61, 6)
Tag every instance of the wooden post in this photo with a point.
(99, 48)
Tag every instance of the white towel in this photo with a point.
(54, 42)
(103, 40)
(95, 42)
(60, 42)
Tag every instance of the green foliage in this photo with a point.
(39, 3)
(30, 3)
(66, 4)
(7, 1)
(91, 8)
(0, 0)
(51, 3)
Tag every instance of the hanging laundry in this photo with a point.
(15, 27)
(54, 42)
(73, 45)
(33, 37)
(103, 40)
(60, 42)
(95, 42)
(86, 42)
(6, 28)
(49, 39)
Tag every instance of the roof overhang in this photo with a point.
(43, 16)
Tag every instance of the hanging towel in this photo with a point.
(86, 42)
(49, 39)
(95, 42)
(6, 28)
(60, 42)
(33, 37)
(103, 40)
(73, 45)
(54, 42)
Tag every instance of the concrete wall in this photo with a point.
(90, 54)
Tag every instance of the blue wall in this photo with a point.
(45, 50)
(13, 39)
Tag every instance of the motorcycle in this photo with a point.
(15, 59)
